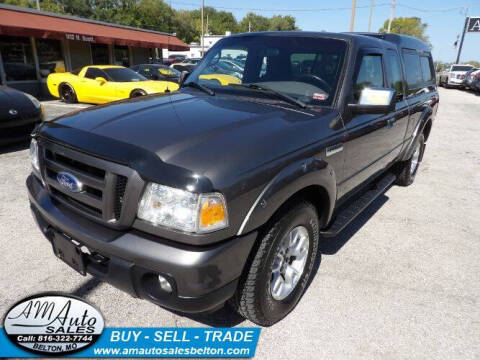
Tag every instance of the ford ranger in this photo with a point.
(221, 192)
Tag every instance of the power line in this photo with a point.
(321, 9)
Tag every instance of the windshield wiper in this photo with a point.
(278, 94)
(200, 87)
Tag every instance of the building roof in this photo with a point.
(19, 21)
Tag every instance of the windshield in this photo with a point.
(123, 75)
(168, 71)
(304, 68)
(461, 68)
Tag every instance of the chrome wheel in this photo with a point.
(415, 159)
(289, 262)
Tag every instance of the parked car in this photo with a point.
(475, 84)
(19, 114)
(183, 66)
(470, 76)
(174, 59)
(98, 84)
(193, 61)
(157, 72)
(221, 193)
(454, 75)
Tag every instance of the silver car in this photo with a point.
(454, 75)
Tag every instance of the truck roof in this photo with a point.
(373, 39)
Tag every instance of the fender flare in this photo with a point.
(425, 118)
(297, 176)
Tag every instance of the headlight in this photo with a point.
(183, 210)
(34, 155)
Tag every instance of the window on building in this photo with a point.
(370, 74)
(395, 78)
(17, 57)
(50, 56)
(412, 69)
(121, 56)
(100, 54)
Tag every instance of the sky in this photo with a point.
(445, 18)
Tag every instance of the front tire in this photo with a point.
(409, 168)
(275, 279)
(67, 94)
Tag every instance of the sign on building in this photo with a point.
(473, 24)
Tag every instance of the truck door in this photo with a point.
(399, 122)
(368, 135)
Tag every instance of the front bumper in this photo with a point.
(17, 130)
(455, 82)
(203, 278)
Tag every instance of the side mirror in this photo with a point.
(183, 77)
(375, 101)
(101, 80)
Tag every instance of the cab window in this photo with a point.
(370, 74)
(427, 69)
(412, 69)
(394, 71)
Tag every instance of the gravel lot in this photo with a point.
(402, 282)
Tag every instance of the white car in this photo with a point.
(454, 75)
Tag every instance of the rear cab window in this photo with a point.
(394, 72)
(413, 70)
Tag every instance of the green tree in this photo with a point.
(474, 63)
(412, 26)
(256, 22)
(279, 22)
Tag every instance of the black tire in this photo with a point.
(67, 94)
(137, 92)
(253, 298)
(409, 168)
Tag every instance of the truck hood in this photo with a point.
(204, 134)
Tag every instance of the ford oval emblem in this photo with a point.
(13, 112)
(69, 182)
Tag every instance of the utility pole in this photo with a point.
(372, 4)
(38, 4)
(352, 16)
(467, 19)
(392, 11)
(201, 40)
(206, 27)
(249, 26)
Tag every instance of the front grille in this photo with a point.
(120, 188)
(103, 187)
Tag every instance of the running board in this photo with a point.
(347, 215)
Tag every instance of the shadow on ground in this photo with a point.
(23, 145)
(226, 316)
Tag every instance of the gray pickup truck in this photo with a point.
(222, 191)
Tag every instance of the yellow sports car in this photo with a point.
(98, 84)
(223, 79)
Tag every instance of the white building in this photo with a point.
(196, 48)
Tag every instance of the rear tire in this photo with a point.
(409, 168)
(265, 294)
(67, 94)
(137, 93)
